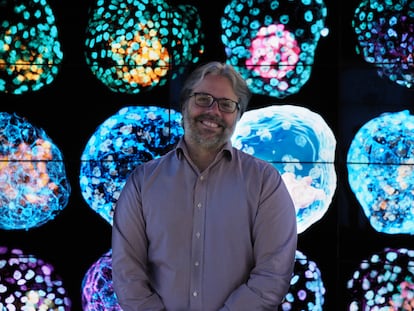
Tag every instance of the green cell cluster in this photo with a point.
(30, 52)
(133, 46)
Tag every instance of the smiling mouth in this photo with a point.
(209, 123)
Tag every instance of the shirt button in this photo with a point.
(195, 294)
(201, 177)
(198, 234)
(196, 264)
(199, 205)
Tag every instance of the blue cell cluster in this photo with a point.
(97, 287)
(385, 35)
(300, 144)
(273, 43)
(385, 281)
(30, 52)
(30, 283)
(134, 45)
(34, 187)
(381, 171)
(129, 138)
(307, 290)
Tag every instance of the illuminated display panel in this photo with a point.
(386, 38)
(380, 171)
(384, 281)
(128, 138)
(307, 287)
(30, 50)
(77, 47)
(273, 43)
(34, 187)
(30, 283)
(301, 146)
(138, 45)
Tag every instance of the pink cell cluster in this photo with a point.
(29, 283)
(385, 281)
(274, 52)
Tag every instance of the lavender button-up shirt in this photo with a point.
(221, 239)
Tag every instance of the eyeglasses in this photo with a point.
(224, 104)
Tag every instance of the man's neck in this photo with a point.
(201, 156)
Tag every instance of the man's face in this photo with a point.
(209, 127)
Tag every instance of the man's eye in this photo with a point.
(204, 98)
(226, 103)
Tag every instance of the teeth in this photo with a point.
(211, 124)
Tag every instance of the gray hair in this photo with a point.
(240, 87)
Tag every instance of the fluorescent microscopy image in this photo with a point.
(307, 290)
(30, 52)
(300, 144)
(97, 290)
(133, 46)
(381, 172)
(130, 137)
(273, 43)
(385, 281)
(34, 187)
(385, 34)
(28, 283)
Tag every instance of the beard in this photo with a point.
(208, 139)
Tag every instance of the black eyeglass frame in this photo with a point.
(217, 100)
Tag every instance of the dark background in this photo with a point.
(343, 89)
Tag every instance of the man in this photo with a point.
(205, 227)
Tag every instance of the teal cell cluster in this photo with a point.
(132, 136)
(384, 281)
(307, 290)
(385, 37)
(299, 143)
(380, 163)
(34, 187)
(135, 45)
(273, 43)
(30, 283)
(30, 50)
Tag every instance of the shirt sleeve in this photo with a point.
(129, 253)
(274, 243)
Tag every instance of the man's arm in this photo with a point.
(274, 243)
(129, 254)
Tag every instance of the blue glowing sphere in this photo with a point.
(301, 146)
(131, 137)
(34, 187)
(381, 172)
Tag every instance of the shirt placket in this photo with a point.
(197, 250)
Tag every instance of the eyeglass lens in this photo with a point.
(206, 100)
